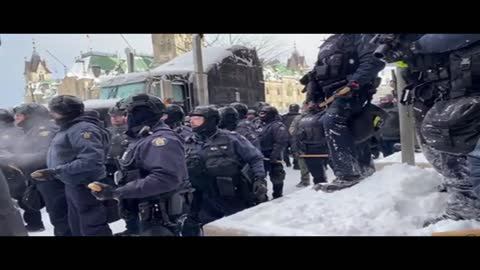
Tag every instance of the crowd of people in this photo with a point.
(168, 174)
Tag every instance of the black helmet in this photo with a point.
(175, 114)
(294, 108)
(31, 110)
(241, 108)
(67, 105)
(93, 113)
(259, 105)
(153, 103)
(6, 116)
(212, 118)
(271, 113)
(228, 118)
(115, 110)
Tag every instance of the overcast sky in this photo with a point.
(16, 47)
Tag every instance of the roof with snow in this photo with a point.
(211, 56)
(108, 63)
(35, 60)
(182, 64)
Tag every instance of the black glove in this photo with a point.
(105, 192)
(260, 188)
(353, 85)
(44, 174)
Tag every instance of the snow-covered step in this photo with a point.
(394, 201)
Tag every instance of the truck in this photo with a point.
(233, 74)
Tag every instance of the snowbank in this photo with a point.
(394, 201)
(397, 158)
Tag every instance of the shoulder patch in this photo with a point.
(44, 133)
(86, 135)
(159, 141)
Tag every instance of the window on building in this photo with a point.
(41, 77)
(268, 91)
(279, 91)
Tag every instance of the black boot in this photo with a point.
(35, 228)
(338, 184)
(277, 191)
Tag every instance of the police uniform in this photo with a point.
(441, 70)
(304, 172)
(11, 223)
(154, 166)
(344, 60)
(310, 139)
(273, 136)
(215, 166)
(247, 129)
(77, 154)
(30, 155)
(153, 175)
(183, 131)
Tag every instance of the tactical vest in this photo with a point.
(337, 59)
(215, 169)
(118, 143)
(310, 131)
(465, 72)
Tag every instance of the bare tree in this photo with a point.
(269, 47)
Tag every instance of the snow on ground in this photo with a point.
(397, 157)
(394, 201)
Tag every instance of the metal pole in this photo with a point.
(407, 128)
(200, 76)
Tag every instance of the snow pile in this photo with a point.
(397, 158)
(394, 201)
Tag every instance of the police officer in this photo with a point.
(31, 154)
(153, 171)
(174, 117)
(77, 156)
(390, 132)
(257, 121)
(295, 145)
(274, 138)
(225, 169)
(118, 144)
(345, 70)
(10, 220)
(251, 114)
(440, 71)
(310, 138)
(9, 134)
(229, 120)
(245, 126)
(287, 119)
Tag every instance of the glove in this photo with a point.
(44, 175)
(260, 188)
(103, 191)
(353, 85)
